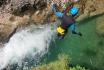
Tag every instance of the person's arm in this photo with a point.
(57, 13)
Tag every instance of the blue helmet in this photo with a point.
(74, 11)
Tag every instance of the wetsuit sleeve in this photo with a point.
(57, 13)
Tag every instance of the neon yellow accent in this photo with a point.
(60, 30)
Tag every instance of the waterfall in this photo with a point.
(31, 42)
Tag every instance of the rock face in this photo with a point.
(2, 2)
(18, 13)
(100, 26)
(89, 8)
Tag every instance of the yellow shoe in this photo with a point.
(60, 30)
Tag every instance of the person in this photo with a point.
(67, 21)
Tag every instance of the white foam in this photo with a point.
(30, 41)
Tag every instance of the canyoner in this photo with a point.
(66, 18)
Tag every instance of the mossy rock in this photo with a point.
(100, 25)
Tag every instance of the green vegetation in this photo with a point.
(61, 64)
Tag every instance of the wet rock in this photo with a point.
(100, 26)
(18, 13)
(2, 2)
(41, 15)
(20, 6)
(6, 31)
(89, 8)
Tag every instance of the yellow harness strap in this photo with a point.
(61, 30)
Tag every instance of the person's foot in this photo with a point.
(80, 34)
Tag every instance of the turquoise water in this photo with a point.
(87, 51)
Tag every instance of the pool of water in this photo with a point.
(87, 51)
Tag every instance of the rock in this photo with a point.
(89, 8)
(40, 15)
(19, 6)
(18, 13)
(22, 21)
(82, 17)
(2, 2)
(43, 16)
(1, 45)
(100, 25)
(6, 31)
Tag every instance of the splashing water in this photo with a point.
(31, 42)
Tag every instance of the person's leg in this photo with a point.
(73, 29)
